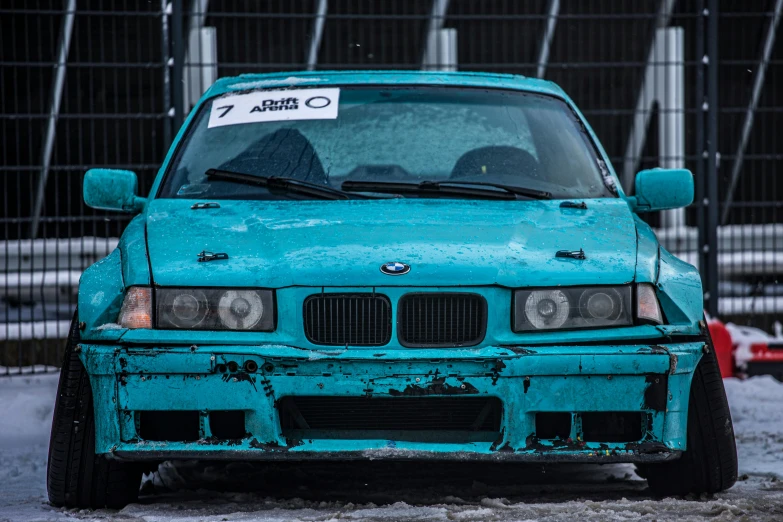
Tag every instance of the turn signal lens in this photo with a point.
(136, 311)
(647, 307)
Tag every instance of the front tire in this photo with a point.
(76, 476)
(709, 463)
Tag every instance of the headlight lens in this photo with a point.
(572, 308)
(214, 309)
(240, 309)
(183, 308)
(546, 309)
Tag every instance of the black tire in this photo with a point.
(709, 464)
(76, 476)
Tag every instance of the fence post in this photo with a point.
(700, 147)
(165, 57)
(178, 47)
(63, 47)
(711, 179)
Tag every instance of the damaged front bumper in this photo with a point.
(625, 403)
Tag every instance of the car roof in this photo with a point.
(330, 78)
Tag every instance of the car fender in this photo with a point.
(646, 252)
(102, 286)
(680, 292)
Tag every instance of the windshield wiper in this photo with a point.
(274, 183)
(520, 191)
(447, 188)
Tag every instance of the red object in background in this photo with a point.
(767, 359)
(721, 341)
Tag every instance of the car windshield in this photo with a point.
(394, 134)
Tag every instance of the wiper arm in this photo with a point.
(425, 188)
(292, 185)
(520, 191)
(446, 188)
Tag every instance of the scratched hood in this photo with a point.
(343, 243)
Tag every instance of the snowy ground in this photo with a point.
(396, 491)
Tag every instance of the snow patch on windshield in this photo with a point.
(290, 81)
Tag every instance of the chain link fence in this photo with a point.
(107, 83)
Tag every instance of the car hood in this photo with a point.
(276, 244)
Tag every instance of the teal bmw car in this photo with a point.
(388, 265)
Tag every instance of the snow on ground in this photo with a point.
(757, 412)
(387, 492)
(26, 406)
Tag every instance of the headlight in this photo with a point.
(214, 309)
(185, 308)
(572, 308)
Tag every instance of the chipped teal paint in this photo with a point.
(299, 248)
(561, 378)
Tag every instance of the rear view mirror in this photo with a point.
(662, 189)
(111, 189)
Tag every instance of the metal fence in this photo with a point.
(106, 83)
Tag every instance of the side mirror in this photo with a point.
(110, 189)
(662, 189)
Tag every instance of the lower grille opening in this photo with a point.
(420, 419)
(553, 425)
(612, 426)
(168, 426)
(227, 424)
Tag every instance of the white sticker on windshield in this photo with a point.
(260, 106)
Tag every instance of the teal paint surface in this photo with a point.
(646, 252)
(110, 189)
(339, 243)
(133, 247)
(568, 379)
(662, 189)
(679, 289)
(101, 291)
(306, 247)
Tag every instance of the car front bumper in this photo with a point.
(651, 380)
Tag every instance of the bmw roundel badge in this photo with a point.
(395, 268)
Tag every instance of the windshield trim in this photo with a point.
(197, 112)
